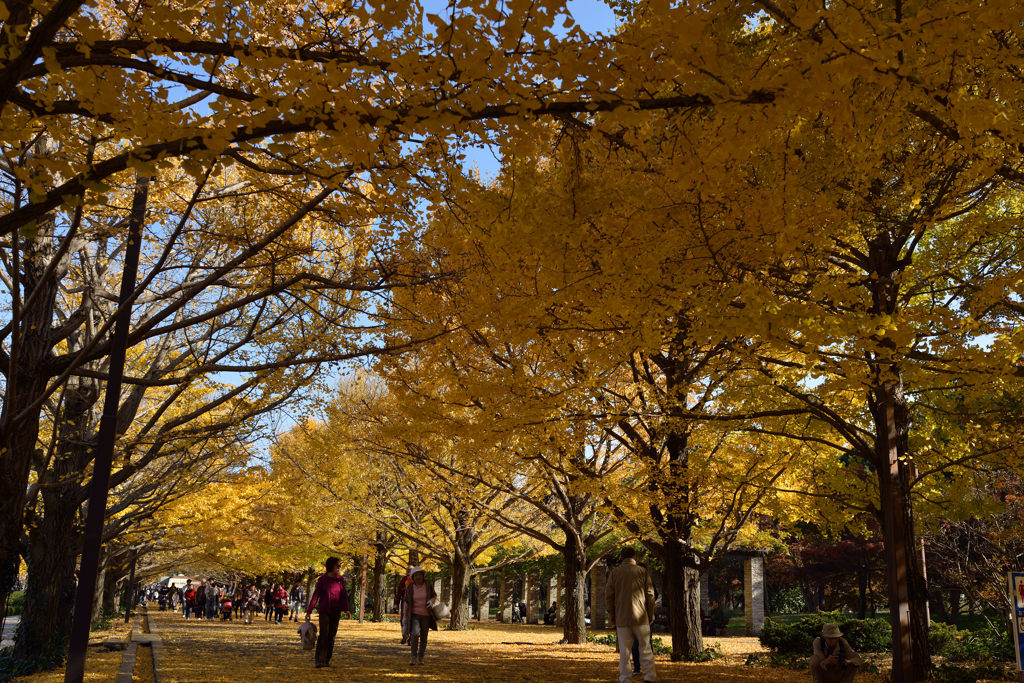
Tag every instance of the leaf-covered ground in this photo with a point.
(231, 652)
(101, 665)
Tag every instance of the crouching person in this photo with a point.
(833, 661)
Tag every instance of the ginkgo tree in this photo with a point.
(781, 115)
(362, 461)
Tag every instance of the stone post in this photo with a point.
(483, 600)
(505, 597)
(705, 593)
(446, 589)
(598, 582)
(753, 594)
(552, 593)
(560, 619)
(531, 593)
(437, 586)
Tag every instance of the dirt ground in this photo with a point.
(101, 665)
(231, 652)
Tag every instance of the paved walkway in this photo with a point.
(10, 627)
(225, 652)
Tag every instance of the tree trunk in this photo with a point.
(50, 592)
(682, 592)
(97, 595)
(460, 595)
(574, 625)
(31, 349)
(54, 535)
(113, 576)
(908, 588)
(363, 561)
(380, 581)
(862, 590)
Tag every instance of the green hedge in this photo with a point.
(874, 635)
(961, 645)
(16, 603)
(795, 638)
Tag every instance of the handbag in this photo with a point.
(440, 610)
(307, 634)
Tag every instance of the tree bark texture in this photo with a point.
(460, 595)
(26, 380)
(682, 593)
(908, 588)
(574, 626)
(55, 533)
(380, 581)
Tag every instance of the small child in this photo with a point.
(225, 609)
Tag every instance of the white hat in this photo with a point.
(831, 631)
(413, 571)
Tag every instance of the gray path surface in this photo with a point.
(10, 626)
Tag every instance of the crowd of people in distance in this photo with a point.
(212, 601)
(630, 602)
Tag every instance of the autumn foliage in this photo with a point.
(743, 269)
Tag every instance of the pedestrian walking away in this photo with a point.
(297, 597)
(268, 603)
(630, 596)
(329, 599)
(419, 598)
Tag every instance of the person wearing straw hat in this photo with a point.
(833, 661)
(418, 617)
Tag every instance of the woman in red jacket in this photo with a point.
(280, 602)
(330, 600)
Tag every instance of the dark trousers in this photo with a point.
(419, 627)
(325, 639)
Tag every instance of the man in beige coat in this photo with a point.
(631, 611)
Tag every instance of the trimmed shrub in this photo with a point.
(864, 635)
(16, 603)
(962, 645)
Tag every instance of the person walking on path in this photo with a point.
(833, 661)
(297, 597)
(268, 603)
(280, 603)
(212, 600)
(200, 608)
(630, 595)
(190, 599)
(400, 600)
(252, 603)
(330, 600)
(419, 598)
